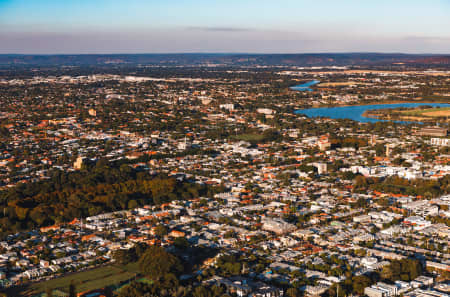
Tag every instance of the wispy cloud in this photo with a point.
(218, 29)
(427, 38)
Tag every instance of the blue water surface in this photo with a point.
(305, 86)
(356, 112)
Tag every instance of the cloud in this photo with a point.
(427, 38)
(218, 29)
(210, 39)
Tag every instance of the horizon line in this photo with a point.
(224, 53)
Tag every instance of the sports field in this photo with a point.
(429, 112)
(84, 281)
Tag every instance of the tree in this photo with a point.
(230, 234)
(134, 289)
(156, 263)
(216, 291)
(292, 292)
(201, 291)
(360, 282)
(72, 290)
(360, 182)
(132, 204)
(108, 292)
(49, 292)
(125, 256)
(168, 281)
(380, 149)
(181, 243)
(361, 202)
(405, 269)
(161, 231)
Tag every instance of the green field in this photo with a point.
(249, 137)
(97, 278)
(420, 112)
(415, 114)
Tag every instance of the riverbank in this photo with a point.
(359, 112)
(305, 86)
(365, 103)
(88, 279)
(417, 114)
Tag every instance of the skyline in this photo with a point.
(199, 26)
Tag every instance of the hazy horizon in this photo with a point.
(200, 26)
(221, 53)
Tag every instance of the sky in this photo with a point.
(225, 26)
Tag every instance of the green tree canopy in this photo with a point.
(156, 263)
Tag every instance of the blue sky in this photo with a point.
(287, 26)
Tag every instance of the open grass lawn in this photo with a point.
(84, 281)
(249, 137)
(443, 111)
(339, 84)
(145, 281)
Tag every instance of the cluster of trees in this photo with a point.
(352, 285)
(163, 269)
(333, 265)
(72, 291)
(95, 189)
(171, 288)
(405, 270)
(122, 256)
(254, 136)
(426, 188)
(4, 132)
(398, 185)
(356, 143)
(229, 265)
(157, 263)
(404, 113)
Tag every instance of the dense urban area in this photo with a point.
(205, 181)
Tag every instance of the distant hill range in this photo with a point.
(339, 59)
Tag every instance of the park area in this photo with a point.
(429, 112)
(110, 275)
(419, 114)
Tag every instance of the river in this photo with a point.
(356, 112)
(305, 86)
